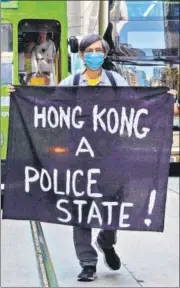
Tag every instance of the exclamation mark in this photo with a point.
(152, 199)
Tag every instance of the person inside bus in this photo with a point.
(45, 52)
(93, 49)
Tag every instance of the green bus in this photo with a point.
(33, 49)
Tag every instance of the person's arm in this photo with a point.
(176, 109)
(176, 102)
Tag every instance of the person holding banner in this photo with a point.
(93, 50)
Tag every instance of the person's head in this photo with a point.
(93, 50)
(42, 35)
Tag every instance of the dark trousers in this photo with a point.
(85, 252)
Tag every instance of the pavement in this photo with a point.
(18, 259)
(149, 259)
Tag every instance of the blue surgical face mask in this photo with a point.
(93, 60)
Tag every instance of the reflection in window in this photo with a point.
(139, 27)
(6, 73)
(6, 54)
(145, 9)
(6, 38)
(39, 52)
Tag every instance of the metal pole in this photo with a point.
(103, 16)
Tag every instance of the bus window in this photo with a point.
(6, 54)
(148, 36)
(39, 52)
(148, 28)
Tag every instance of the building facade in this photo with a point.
(83, 17)
(171, 25)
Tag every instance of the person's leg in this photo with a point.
(105, 241)
(107, 238)
(85, 252)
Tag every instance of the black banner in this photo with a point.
(89, 156)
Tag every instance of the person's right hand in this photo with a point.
(10, 89)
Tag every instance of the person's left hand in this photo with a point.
(172, 92)
(176, 107)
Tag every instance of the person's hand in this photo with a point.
(10, 89)
(176, 110)
(176, 107)
(172, 92)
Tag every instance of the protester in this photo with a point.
(93, 50)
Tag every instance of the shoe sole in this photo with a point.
(87, 280)
(105, 262)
